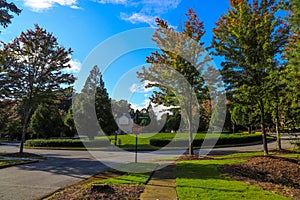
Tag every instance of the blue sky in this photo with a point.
(84, 24)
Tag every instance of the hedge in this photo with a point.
(297, 143)
(223, 140)
(65, 143)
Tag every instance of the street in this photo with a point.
(63, 168)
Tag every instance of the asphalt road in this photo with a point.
(63, 168)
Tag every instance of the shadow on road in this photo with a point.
(74, 167)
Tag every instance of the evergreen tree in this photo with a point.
(94, 103)
(103, 107)
(251, 37)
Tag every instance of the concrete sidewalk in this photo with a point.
(162, 185)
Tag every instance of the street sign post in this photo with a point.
(136, 129)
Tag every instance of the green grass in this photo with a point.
(241, 155)
(130, 178)
(202, 180)
(167, 159)
(128, 140)
(10, 162)
(292, 155)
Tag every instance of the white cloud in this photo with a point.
(113, 1)
(39, 5)
(159, 110)
(140, 88)
(75, 66)
(136, 18)
(140, 106)
(147, 10)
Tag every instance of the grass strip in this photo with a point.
(201, 179)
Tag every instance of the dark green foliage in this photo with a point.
(103, 107)
(92, 107)
(172, 121)
(6, 11)
(70, 130)
(10, 120)
(251, 37)
(226, 140)
(65, 143)
(291, 74)
(46, 121)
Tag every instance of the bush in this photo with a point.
(46, 121)
(297, 143)
(223, 140)
(65, 143)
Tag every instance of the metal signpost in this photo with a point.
(136, 129)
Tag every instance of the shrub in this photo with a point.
(65, 143)
(46, 121)
(223, 140)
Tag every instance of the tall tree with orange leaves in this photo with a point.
(180, 53)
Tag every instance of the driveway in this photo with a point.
(63, 168)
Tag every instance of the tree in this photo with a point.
(46, 121)
(291, 73)
(94, 95)
(251, 37)
(5, 12)
(103, 107)
(33, 65)
(69, 123)
(181, 56)
(10, 120)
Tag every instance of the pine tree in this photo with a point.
(103, 107)
(93, 107)
(251, 37)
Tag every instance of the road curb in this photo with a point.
(17, 164)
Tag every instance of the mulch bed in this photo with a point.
(193, 157)
(275, 174)
(111, 192)
(116, 192)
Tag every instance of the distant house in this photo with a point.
(125, 123)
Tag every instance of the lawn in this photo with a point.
(128, 141)
(201, 179)
(10, 162)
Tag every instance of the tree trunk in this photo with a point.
(190, 125)
(278, 134)
(191, 150)
(24, 130)
(262, 124)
